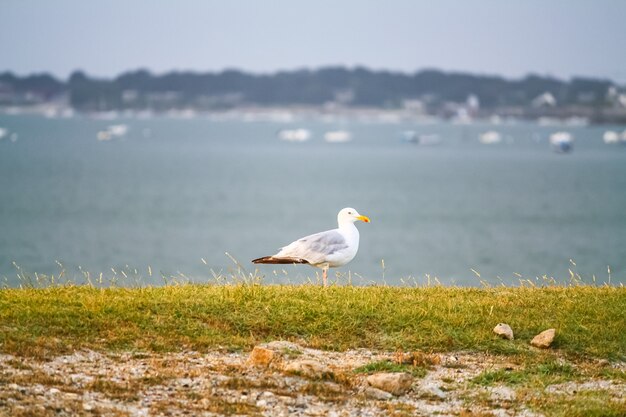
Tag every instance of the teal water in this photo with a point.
(195, 189)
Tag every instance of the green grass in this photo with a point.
(536, 373)
(389, 366)
(590, 320)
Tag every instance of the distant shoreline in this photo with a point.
(426, 93)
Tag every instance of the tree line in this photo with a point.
(142, 89)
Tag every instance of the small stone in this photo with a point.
(261, 356)
(544, 339)
(89, 406)
(504, 331)
(53, 391)
(396, 383)
(376, 394)
(308, 368)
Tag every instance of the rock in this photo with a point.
(376, 394)
(544, 339)
(397, 383)
(308, 368)
(504, 330)
(261, 356)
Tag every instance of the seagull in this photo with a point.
(324, 250)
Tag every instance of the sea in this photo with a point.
(194, 199)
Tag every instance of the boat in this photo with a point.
(561, 142)
(610, 137)
(490, 137)
(337, 136)
(118, 130)
(294, 135)
(112, 131)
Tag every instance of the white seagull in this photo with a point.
(328, 249)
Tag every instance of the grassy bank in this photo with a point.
(590, 321)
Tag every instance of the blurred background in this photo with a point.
(157, 141)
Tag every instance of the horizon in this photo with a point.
(482, 37)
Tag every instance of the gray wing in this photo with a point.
(316, 248)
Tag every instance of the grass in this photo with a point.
(389, 366)
(590, 320)
(536, 373)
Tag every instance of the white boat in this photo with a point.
(337, 136)
(112, 131)
(294, 135)
(118, 130)
(611, 137)
(561, 142)
(490, 137)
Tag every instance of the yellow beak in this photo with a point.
(363, 218)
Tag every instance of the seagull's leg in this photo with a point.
(325, 276)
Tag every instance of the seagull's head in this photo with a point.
(350, 215)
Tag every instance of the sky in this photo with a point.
(561, 38)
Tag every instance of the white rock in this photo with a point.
(504, 330)
(397, 383)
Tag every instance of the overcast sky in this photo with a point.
(562, 38)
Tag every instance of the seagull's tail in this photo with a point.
(276, 260)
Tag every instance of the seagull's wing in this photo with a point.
(315, 248)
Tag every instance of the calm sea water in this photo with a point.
(173, 192)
